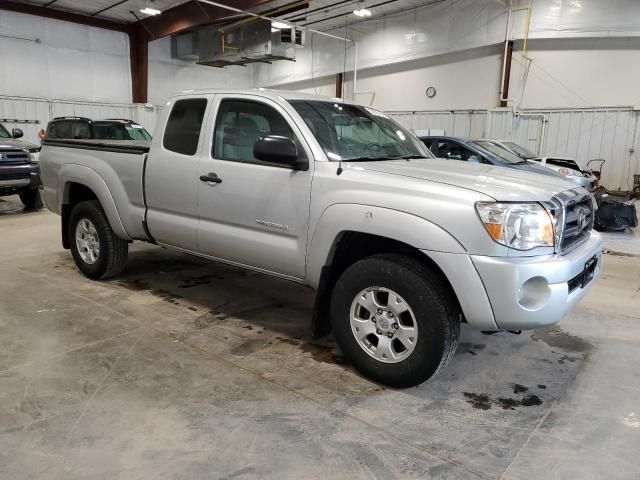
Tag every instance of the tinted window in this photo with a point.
(110, 131)
(521, 151)
(119, 131)
(3, 132)
(500, 152)
(76, 129)
(239, 125)
(183, 127)
(455, 151)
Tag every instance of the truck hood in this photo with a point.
(13, 143)
(500, 183)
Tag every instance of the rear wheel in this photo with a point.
(31, 199)
(97, 251)
(395, 320)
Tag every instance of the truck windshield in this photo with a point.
(3, 132)
(500, 152)
(351, 132)
(521, 151)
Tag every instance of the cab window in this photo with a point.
(239, 125)
(182, 132)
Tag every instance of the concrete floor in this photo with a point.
(185, 369)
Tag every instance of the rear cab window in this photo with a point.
(182, 132)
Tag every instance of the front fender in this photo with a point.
(74, 173)
(393, 224)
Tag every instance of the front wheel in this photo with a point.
(395, 320)
(97, 251)
(31, 199)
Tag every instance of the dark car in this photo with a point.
(481, 151)
(62, 128)
(19, 172)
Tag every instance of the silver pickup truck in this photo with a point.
(401, 247)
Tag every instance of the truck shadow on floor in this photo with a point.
(259, 314)
(9, 206)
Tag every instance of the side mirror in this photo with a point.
(17, 133)
(473, 159)
(277, 149)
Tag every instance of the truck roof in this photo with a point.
(265, 92)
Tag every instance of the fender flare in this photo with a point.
(74, 173)
(393, 224)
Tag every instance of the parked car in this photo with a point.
(19, 173)
(564, 166)
(401, 247)
(85, 128)
(481, 151)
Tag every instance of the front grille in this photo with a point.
(14, 156)
(574, 219)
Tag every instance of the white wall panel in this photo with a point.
(69, 61)
(611, 134)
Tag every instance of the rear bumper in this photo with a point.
(519, 293)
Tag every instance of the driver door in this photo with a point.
(253, 213)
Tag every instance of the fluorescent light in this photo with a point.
(362, 12)
(279, 25)
(150, 11)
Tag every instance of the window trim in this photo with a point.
(302, 152)
(202, 125)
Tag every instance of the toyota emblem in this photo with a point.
(3, 156)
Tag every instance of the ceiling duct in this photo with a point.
(185, 46)
(252, 42)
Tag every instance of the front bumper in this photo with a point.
(533, 292)
(16, 178)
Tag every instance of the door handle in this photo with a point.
(211, 178)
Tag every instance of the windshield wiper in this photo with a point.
(364, 159)
(408, 157)
(377, 159)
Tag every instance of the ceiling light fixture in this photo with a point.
(279, 25)
(362, 11)
(150, 11)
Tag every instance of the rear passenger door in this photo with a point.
(258, 214)
(171, 173)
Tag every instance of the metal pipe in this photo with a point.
(355, 69)
(504, 60)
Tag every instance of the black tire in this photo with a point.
(31, 199)
(112, 257)
(435, 309)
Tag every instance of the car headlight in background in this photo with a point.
(569, 172)
(522, 226)
(35, 154)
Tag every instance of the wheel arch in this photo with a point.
(82, 183)
(335, 246)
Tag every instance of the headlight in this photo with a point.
(569, 172)
(35, 155)
(522, 226)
